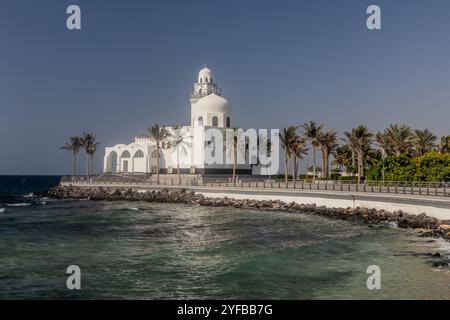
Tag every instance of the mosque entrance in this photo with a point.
(125, 166)
(112, 162)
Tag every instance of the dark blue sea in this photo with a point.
(20, 189)
(139, 250)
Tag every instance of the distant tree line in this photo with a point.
(398, 153)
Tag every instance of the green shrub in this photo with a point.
(348, 178)
(335, 176)
(432, 166)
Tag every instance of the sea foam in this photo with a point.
(24, 204)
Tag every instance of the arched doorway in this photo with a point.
(125, 161)
(139, 163)
(111, 162)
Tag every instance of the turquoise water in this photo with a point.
(164, 251)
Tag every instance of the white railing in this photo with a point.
(438, 189)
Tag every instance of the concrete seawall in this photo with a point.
(436, 207)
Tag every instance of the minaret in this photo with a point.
(204, 86)
(208, 107)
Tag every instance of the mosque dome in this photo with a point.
(212, 104)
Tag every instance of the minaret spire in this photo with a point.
(204, 86)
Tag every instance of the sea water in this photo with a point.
(139, 250)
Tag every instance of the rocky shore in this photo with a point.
(429, 227)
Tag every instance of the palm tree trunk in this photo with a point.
(286, 167)
(314, 163)
(324, 165)
(362, 168)
(294, 169)
(87, 166)
(157, 165)
(234, 161)
(353, 158)
(360, 165)
(74, 169)
(328, 164)
(178, 166)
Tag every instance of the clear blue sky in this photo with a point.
(278, 62)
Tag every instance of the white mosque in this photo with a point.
(208, 110)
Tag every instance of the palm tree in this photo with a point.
(444, 146)
(288, 137)
(74, 145)
(299, 149)
(233, 143)
(157, 134)
(372, 156)
(400, 139)
(363, 141)
(178, 138)
(263, 141)
(424, 141)
(312, 132)
(90, 147)
(382, 139)
(343, 156)
(328, 143)
(91, 151)
(351, 139)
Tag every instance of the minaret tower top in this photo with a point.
(205, 85)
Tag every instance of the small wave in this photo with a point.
(2, 210)
(443, 245)
(393, 224)
(133, 209)
(28, 195)
(23, 204)
(42, 202)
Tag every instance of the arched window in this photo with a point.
(215, 121)
(200, 121)
(228, 122)
(155, 154)
(139, 154)
(125, 154)
(201, 80)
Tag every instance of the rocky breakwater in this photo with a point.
(429, 227)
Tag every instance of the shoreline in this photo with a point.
(432, 206)
(425, 225)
